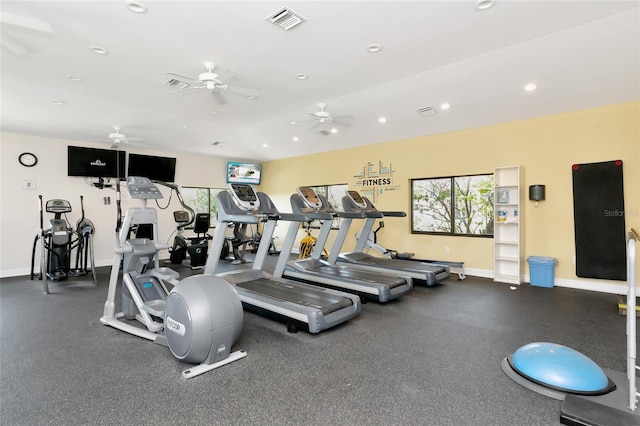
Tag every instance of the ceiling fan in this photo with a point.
(118, 139)
(322, 116)
(210, 81)
(21, 25)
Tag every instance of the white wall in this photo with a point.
(19, 208)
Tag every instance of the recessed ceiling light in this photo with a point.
(382, 120)
(264, 145)
(484, 4)
(374, 48)
(99, 50)
(295, 139)
(184, 126)
(530, 87)
(57, 102)
(445, 106)
(302, 76)
(135, 6)
(74, 77)
(251, 97)
(293, 122)
(334, 130)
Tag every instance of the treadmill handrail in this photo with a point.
(319, 215)
(352, 215)
(291, 217)
(394, 214)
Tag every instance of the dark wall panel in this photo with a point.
(598, 211)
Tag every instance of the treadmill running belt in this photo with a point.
(301, 295)
(353, 274)
(401, 264)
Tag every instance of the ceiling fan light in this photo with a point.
(334, 130)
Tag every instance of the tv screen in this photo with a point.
(162, 169)
(95, 162)
(249, 173)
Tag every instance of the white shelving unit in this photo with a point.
(508, 229)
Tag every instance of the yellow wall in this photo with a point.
(545, 147)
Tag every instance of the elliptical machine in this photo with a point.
(57, 242)
(199, 319)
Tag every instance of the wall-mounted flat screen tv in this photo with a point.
(162, 169)
(95, 162)
(239, 172)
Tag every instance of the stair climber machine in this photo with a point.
(199, 319)
(430, 274)
(372, 243)
(297, 304)
(57, 243)
(380, 287)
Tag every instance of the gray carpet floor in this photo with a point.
(430, 358)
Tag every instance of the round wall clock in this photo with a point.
(28, 159)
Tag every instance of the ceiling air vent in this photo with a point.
(286, 18)
(324, 132)
(176, 83)
(426, 111)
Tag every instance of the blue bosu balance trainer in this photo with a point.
(555, 370)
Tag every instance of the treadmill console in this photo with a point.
(142, 188)
(245, 196)
(310, 197)
(357, 199)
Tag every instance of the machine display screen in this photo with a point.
(244, 192)
(310, 197)
(355, 195)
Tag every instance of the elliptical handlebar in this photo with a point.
(176, 188)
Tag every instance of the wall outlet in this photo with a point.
(446, 249)
(28, 184)
(573, 260)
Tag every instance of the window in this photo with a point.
(202, 200)
(455, 205)
(334, 194)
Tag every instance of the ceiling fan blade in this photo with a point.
(25, 22)
(186, 89)
(341, 123)
(219, 97)
(14, 46)
(342, 117)
(181, 76)
(247, 91)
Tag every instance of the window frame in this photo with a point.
(212, 194)
(452, 206)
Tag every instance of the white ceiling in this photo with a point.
(581, 54)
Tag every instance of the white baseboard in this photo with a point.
(602, 286)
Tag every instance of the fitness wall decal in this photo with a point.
(374, 181)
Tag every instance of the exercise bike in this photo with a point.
(199, 319)
(195, 246)
(57, 243)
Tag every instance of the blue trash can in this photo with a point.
(542, 270)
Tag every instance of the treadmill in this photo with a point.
(376, 286)
(430, 274)
(298, 304)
